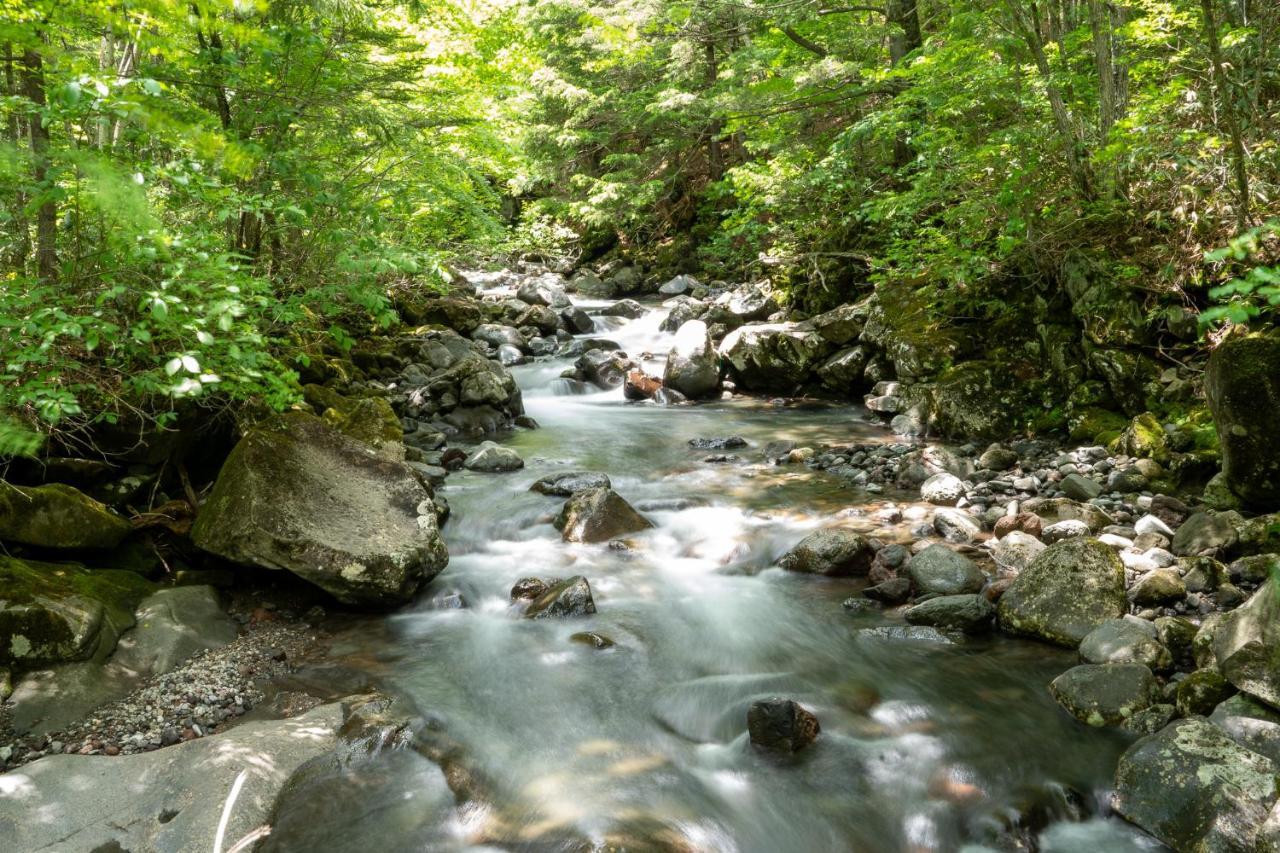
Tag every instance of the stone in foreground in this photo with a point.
(781, 725)
(166, 801)
(598, 515)
(1246, 644)
(1072, 587)
(1105, 694)
(1195, 789)
(938, 570)
(299, 496)
(834, 553)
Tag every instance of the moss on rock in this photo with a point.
(1242, 383)
(58, 516)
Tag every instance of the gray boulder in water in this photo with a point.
(834, 553)
(693, 367)
(565, 484)
(1072, 587)
(569, 597)
(298, 495)
(598, 515)
(492, 457)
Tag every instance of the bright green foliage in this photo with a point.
(1257, 291)
(223, 176)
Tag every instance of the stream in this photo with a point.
(924, 746)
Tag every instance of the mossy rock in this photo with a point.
(58, 516)
(54, 612)
(1242, 384)
(1088, 424)
(367, 419)
(900, 322)
(1143, 438)
(1070, 588)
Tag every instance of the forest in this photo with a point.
(667, 426)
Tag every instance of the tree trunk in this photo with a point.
(715, 156)
(1227, 108)
(20, 247)
(47, 213)
(904, 37)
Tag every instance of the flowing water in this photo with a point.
(924, 746)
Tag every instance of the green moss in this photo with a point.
(58, 516)
(1092, 424)
(54, 612)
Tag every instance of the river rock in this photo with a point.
(1071, 588)
(890, 591)
(55, 612)
(628, 308)
(1080, 488)
(576, 321)
(835, 553)
(1016, 550)
(569, 597)
(1251, 724)
(1208, 533)
(638, 385)
(1242, 384)
(781, 725)
(161, 801)
(1065, 529)
(942, 489)
(678, 285)
(598, 515)
(565, 484)
(57, 516)
(956, 525)
(496, 335)
(937, 570)
(602, 368)
(1200, 692)
(1105, 694)
(773, 357)
(297, 495)
(491, 457)
(693, 367)
(453, 312)
(1159, 587)
(544, 290)
(971, 614)
(1246, 644)
(1126, 640)
(1195, 789)
(843, 372)
(1053, 510)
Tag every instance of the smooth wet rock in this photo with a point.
(956, 525)
(1242, 385)
(569, 597)
(491, 457)
(891, 591)
(781, 725)
(835, 553)
(1126, 640)
(592, 639)
(297, 495)
(598, 515)
(1068, 590)
(972, 614)
(937, 570)
(1105, 694)
(693, 366)
(1195, 789)
(628, 308)
(907, 634)
(1246, 644)
(565, 484)
(58, 516)
(942, 489)
(165, 801)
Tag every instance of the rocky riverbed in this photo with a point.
(623, 599)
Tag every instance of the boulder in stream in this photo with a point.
(937, 570)
(781, 725)
(492, 457)
(1072, 587)
(297, 495)
(835, 552)
(1105, 694)
(598, 515)
(971, 613)
(774, 357)
(569, 597)
(565, 484)
(693, 367)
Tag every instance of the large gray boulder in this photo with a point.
(57, 516)
(693, 367)
(598, 515)
(297, 495)
(1246, 644)
(774, 357)
(834, 553)
(1105, 694)
(1126, 640)
(1195, 789)
(937, 570)
(166, 801)
(1242, 384)
(1072, 587)
(566, 483)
